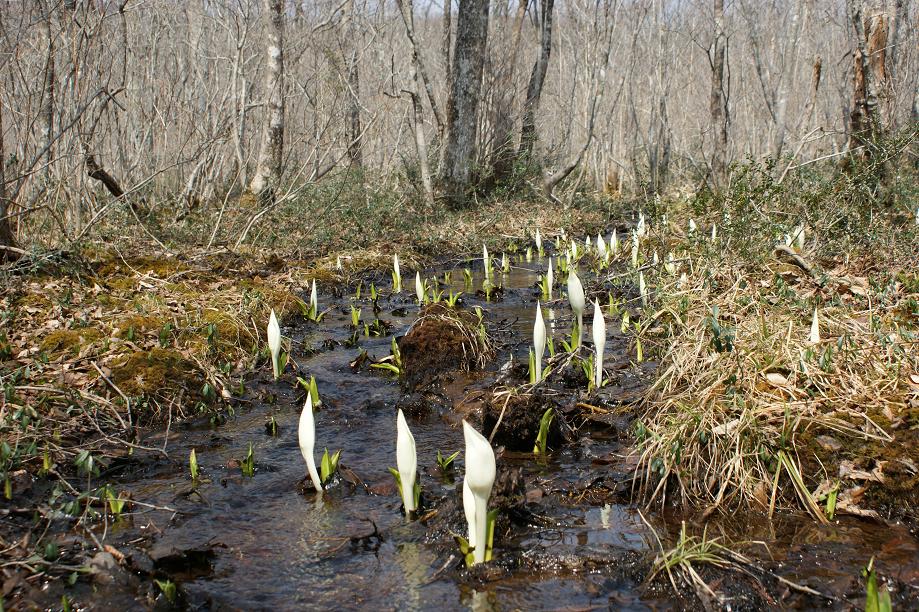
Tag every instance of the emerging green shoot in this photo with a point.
(167, 588)
(328, 466)
(452, 298)
(445, 463)
(193, 464)
(355, 316)
(876, 600)
(248, 464)
(393, 363)
(542, 437)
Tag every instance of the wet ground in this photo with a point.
(573, 541)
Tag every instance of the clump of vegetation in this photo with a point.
(751, 407)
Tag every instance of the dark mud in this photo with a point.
(568, 535)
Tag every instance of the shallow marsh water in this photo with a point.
(262, 542)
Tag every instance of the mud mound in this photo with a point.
(519, 424)
(443, 340)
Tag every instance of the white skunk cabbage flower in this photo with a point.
(307, 434)
(538, 241)
(574, 249)
(314, 299)
(576, 299)
(714, 232)
(504, 266)
(670, 267)
(601, 246)
(642, 289)
(397, 274)
(641, 230)
(406, 462)
(917, 215)
(634, 250)
(814, 337)
(587, 244)
(338, 265)
(274, 343)
(799, 237)
(419, 288)
(692, 226)
(469, 511)
(599, 335)
(486, 261)
(480, 477)
(550, 277)
(539, 340)
(683, 281)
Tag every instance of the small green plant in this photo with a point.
(248, 464)
(722, 337)
(168, 588)
(393, 363)
(193, 464)
(164, 335)
(876, 600)
(452, 298)
(116, 503)
(271, 427)
(542, 437)
(329, 465)
(355, 316)
(467, 278)
(445, 462)
(544, 286)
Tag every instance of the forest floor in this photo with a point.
(106, 349)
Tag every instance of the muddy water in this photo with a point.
(261, 542)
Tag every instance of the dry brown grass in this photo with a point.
(743, 426)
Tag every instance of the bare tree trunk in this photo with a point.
(537, 78)
(790, 53)
(407, 10)
(6, 232)
(267, 177)
(355, 146)
(865, 123)
(462, 109)
(502, 156)
(421, 145)
(446, 44)
(47, 105)
(718, 105)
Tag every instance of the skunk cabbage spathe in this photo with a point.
(814, 336)
(274, 344)
(406, 462)
(550, 278)
(419, 288)
(599, 336)
(307, 435)
(469, 511)
(480, 477)
(576, 299)
(397, 275)
(539, 340)
(314, 298)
